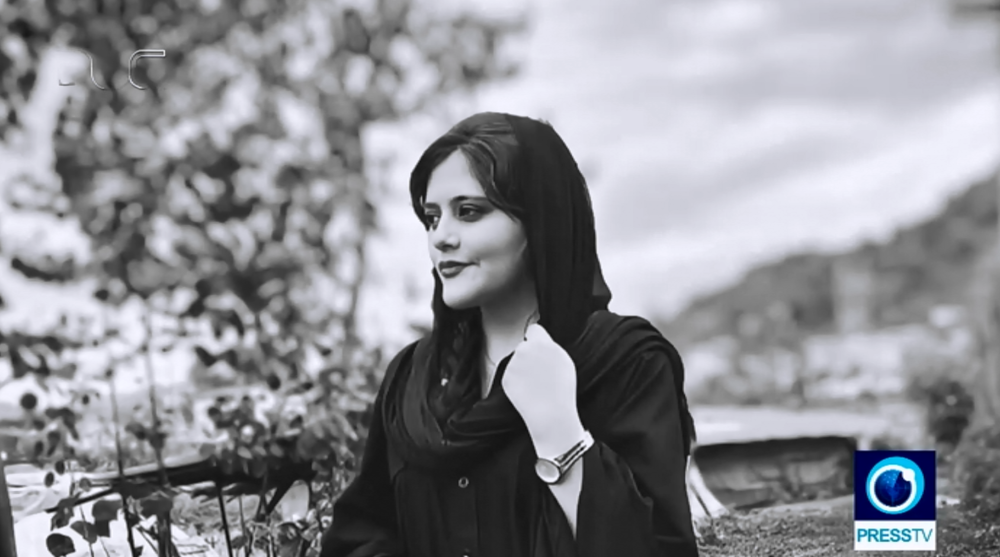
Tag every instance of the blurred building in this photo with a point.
(853, 294)
(874, 363)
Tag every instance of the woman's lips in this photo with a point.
(451, 270)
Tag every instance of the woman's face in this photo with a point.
(477, 249)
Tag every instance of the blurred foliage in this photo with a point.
(930, 263)
(740, 390)
(730, 390)
(977, 473)
(766, 362)
(941, 386)
(229, 200)
(986, 314)
(978, 454)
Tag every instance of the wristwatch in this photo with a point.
(551, 471)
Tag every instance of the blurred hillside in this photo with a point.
(885, 284)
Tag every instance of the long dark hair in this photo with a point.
(527, 172)
(488, 144)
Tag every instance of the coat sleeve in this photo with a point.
(634, 496)
(364, 516)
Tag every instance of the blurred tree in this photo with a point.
(914, 271)
(987, 320)
(988, 400)
(223, 186)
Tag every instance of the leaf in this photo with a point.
(103, 528)
(196, 309)
(106, 509)
(137, 490)
(203, 287)
(61, 467)
(355, 34)
(59, 545)
(61, 518)
(158, 439)
(20, 367)
(131, 519)
(86, 530)
(137, 429)
(84, 484)
(307, 444)
(158, 505)
(226, 463)
(54, 437)
(206, 358)
(50, 479)
(52, 343)
(67, 371)
(276, 450)
(225, 166)
(29, 401)
(206, 450)
(234, 319)
(67, 503)
(258, 467)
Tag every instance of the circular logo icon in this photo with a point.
(895, 485)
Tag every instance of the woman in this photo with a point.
(532, 421)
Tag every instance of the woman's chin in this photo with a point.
(459, 304)
(460, 300)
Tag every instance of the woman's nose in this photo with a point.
(443, 236)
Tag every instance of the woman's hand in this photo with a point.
(540, 382)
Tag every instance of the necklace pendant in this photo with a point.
(444, 381)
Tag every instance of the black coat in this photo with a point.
(633, 501)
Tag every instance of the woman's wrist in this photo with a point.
(555, 437)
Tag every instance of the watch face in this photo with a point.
(547, 471)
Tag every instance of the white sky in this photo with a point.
(715, 134)
(721, 133)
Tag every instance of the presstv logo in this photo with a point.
(895, 503)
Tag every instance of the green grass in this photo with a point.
(829, 532)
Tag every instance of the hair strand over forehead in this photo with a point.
(488, 144)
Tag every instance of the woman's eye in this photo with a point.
(469, 211)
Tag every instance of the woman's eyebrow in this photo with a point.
(461, 198)
(457, 199)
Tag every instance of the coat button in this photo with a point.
(463, 482)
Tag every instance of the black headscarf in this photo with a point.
(448, 427)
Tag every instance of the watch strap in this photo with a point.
(566, 460)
